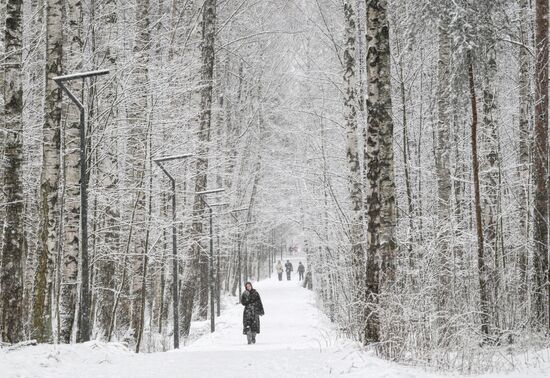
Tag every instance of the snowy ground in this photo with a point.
(296, 340)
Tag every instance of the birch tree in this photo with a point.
(11, 270)
(2, 50)
(354, 169)
(490, 162)
(71, 242)
(49, 206)
(380, 203)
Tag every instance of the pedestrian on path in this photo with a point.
(301, 270)
(289, 268)
(308, 282)
(253, 309)
(279, 268)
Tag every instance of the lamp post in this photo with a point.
(218, 283)
(211, 262)
(159, 162)
(239, 271)
(217, 278)
(84, 313)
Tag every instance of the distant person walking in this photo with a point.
(301, 270)
(279, 268)
(288, 268)
(253, 309)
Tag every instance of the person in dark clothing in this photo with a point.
(308, 282)
(288, 268)
(253, 309)
(301, 270)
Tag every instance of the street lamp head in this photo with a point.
(237, 210)
(219, 204)
(80, 75)
(169, 158)
(212, 191)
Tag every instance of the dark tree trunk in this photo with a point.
(482, 267)
(198, 267)
(540, 163)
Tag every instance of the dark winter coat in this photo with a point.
(288, 266)
(301, 268)
(253, 308)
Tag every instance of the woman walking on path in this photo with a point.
(253, 309)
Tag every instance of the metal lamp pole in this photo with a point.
(84, 313)
(217, 273)
(211, 262)
(239, 270)
(218, 283)
(159, 162)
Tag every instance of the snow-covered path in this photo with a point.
(291, 322)
(296, 340)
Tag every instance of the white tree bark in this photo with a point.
(138, 112)
(2, 54)
(71, 242)
(49, 207)
(11, 270)
(489, 174)
(356, 234)
(381, 245)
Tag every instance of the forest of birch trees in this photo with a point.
(403, 145)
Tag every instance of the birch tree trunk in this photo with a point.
(356, 234)
(11, 270)
(489, 170)
(381, 246)
(207, 74)
(540, 164)
(69, 281)
(2, 82)
(137, 146)
(49, 178)
(199, 259)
